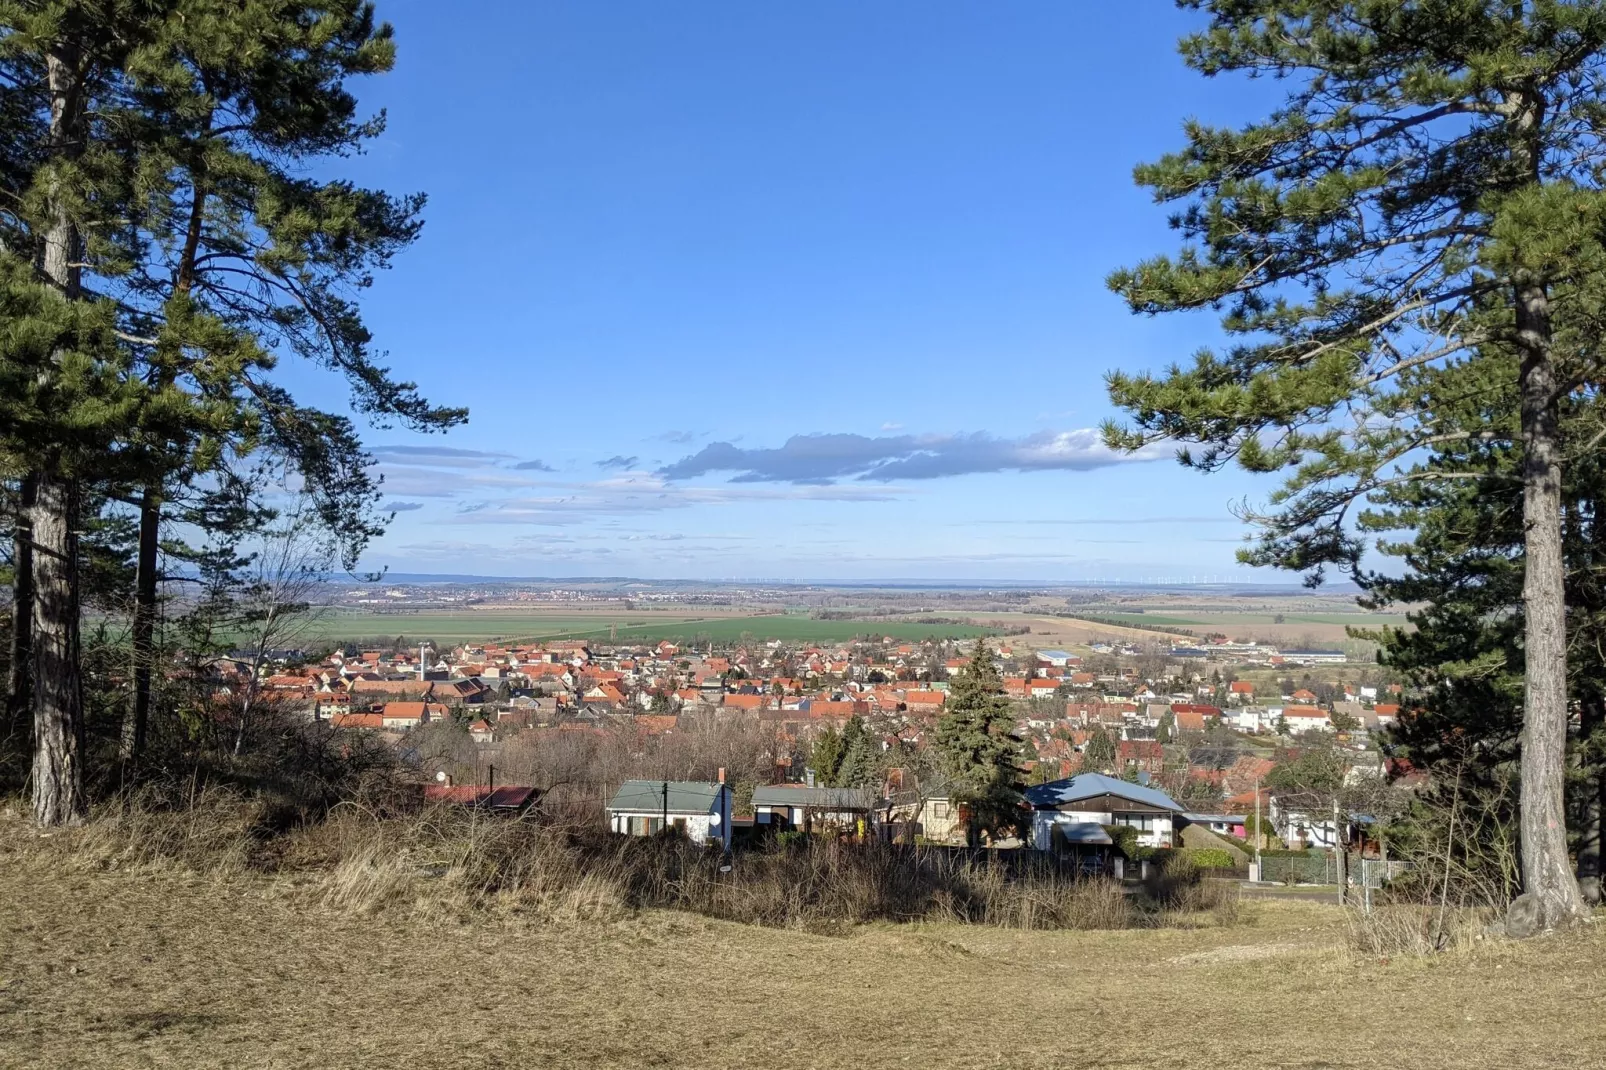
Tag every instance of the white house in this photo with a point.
(1251, 718)
(699, 808)
(1303, 719)
(1057, 658)
(1301, 827)
(1095, 799)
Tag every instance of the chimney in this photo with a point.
(722, 774)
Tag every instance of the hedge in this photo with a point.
(1208, 857)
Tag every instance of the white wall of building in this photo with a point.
(700, 828)
(1043, 822)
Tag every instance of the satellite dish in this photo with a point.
(441, 776)
(714, 819)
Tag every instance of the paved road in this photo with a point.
(1306, 892)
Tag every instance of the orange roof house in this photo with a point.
(358, 720)
(411, 714)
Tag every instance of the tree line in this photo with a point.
(164, 252)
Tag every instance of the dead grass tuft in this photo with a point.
(438, 861)
(1414, 929)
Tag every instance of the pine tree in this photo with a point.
(250, 258)
(857, 768)
(66, 395)
(1098, 754)
(1427, 191)
(1166, 731)
(825, 757)
(163, 249)
(976, 738)
(1462, 582)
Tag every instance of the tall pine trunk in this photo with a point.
(1550, 897)
(58, 772)
(19, 693)
(137, 727)
(58, 723)
(143, 628)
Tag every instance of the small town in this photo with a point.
(846, 736)
(832, 535)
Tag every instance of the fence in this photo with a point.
(1309, 867)
(1302, 868)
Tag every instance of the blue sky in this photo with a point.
(807, 291)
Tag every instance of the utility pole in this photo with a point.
(665, 825)
(1259, 834)
(1340, 863)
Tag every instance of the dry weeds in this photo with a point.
(155, 966)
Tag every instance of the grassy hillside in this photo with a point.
(110, 968)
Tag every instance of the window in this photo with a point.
(1141, 822)
(939, 809)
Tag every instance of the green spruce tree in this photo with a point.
(976, 738)
(858, 767)
(1098, 753)
(1166, 731)
(825, 757)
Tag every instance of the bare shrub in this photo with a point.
(214, 832)
(445, 860)
(1462, 848)
(1416, 929)
(1185, 894)
(386, 854)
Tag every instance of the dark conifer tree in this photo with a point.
(976, 737)
(1428, 190)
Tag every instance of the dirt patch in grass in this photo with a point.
(160, 969)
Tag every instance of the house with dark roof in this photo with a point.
(1095, 799)
(508, 799)
(783, 806)
(700, 809)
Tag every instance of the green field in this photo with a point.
(470, 626)
(1205, 619)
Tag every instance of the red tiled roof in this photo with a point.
(507, 797)
(358, 720)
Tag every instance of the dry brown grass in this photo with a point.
(446, 862)
(362, 950)
(154, 967)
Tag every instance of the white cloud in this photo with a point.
(825, 458)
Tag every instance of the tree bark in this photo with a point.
(58, 773)
(58, 724)
(143, 628)
(1550, 897)
(19, 697)
(1591, 787)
